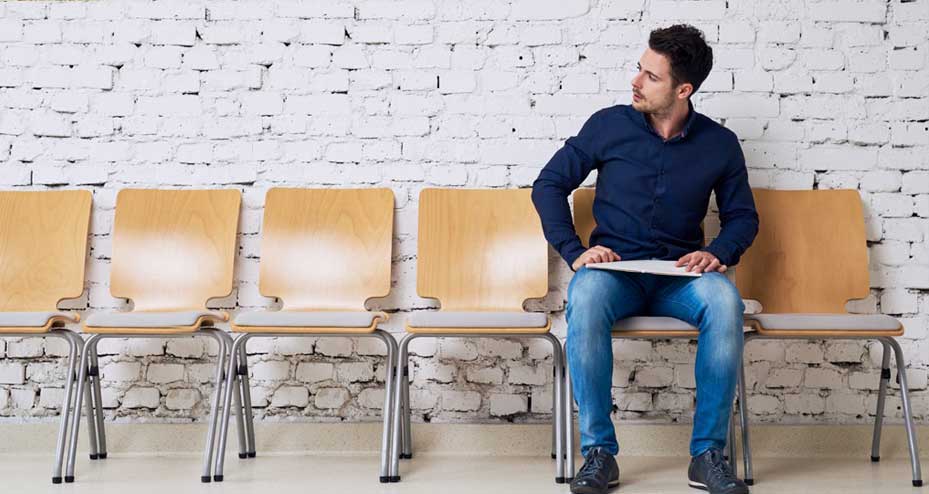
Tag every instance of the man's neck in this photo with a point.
(671, 122)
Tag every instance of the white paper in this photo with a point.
(666, 268)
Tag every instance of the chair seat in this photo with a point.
(826, 322)
(177, 320)
(308, 321)
(461, 321)
(40, 320)
(652, 323)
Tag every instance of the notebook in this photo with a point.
(666, 268)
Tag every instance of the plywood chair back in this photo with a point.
(43, 247)
(810, 254)
(326, 249)
(480, 249)
(174, 249)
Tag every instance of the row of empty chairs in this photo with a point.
(325, 252)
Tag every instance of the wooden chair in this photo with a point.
(481, 254)
(644, 327)
(43, 248)
(324, 253)
(173, 250)
(809, 259)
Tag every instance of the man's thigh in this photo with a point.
(617, 293)
(687, 298)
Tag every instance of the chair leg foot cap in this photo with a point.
(93, 456)
(205, 479)
(559, 480)
(406, 456)
(243, 455)
(69, 479)
(875, 459)
(101, 456)
(749, 481)
(917, 483)
(395, 479)
(56, 480)
(252, 454)
(218, 478)
(384, 479)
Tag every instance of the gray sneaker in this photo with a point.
(709, 471)
(599, 473)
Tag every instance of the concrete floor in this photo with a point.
(431, 473)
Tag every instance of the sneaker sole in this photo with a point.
(593, 490)
(697, 485)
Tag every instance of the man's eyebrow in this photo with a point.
(649, 72)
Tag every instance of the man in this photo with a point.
(658, 160)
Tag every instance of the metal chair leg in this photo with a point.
(228, 392)
(75, 346)
(558, 406)
(251, 449)
(743, 419)
(81, 390)
(881, 397)
(730, 446)
(389, 377)
(396, 446)
(98, 402)
(568, 400)
(407, 450)
(907, 412)
(222, 339)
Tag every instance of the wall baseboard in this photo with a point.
(836, 441)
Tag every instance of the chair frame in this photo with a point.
(297, 296)
(455, 242)
(131, 210)
(843, 210)
(70, 285)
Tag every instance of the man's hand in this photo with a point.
(597, 253)
(701, 261)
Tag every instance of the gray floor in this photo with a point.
(137, 474)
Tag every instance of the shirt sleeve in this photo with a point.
(737, 215)
(566, 170)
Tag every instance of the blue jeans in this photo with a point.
(598, 298)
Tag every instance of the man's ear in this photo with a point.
(684, 90)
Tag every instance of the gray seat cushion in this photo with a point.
(650, 323)
(306, 319)
(825, 322)
(449, 319)
(31, 319)
(150, 319)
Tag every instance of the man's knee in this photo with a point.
(586, 294)
(719, 297)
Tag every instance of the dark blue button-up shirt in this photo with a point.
(652, 194)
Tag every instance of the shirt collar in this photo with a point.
(691, 117)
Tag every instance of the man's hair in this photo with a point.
(691, 58)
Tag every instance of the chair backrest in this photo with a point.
(326, 249)
(43, 248)
(584, 222)
(480, 249)
(810, 254)
(174, 249)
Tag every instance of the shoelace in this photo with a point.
(593, 462)
(720, 469)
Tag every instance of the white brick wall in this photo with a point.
(480, 93)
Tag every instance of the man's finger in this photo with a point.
(683, 260)
(723, 268)
(713, 265)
